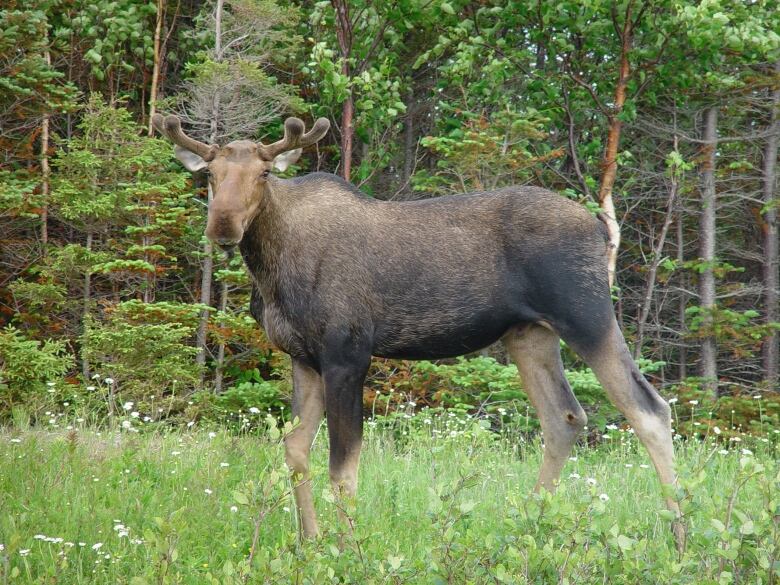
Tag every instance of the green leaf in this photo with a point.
(447, 7)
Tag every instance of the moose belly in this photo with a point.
(436, 338)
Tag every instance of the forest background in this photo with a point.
(663, 116)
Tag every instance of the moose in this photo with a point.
(339, 277)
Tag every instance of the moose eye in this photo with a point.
(266, 173)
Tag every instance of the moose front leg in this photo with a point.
(344, 406)
(308, 405)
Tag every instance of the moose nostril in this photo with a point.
(226, 242)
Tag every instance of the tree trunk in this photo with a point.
(771, 349)
(609, 162)
(219, 374)
(45, 171)
(85, 299)
(709, 367)
(344, 35)
(683, 301)
(409, 142)
(157, 63)
(207, 269)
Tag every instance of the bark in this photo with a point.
(771, 351)
(409, 150)
(45, 171)
(709, 367)
(656, 261)
(609, 162)
(85, 299)
(158, 48)
(219, 374)
(683, 301)
(344, 35)
(207, 270)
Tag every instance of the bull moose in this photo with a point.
(340, 277)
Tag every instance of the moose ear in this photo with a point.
(285, 159)
(191, 161)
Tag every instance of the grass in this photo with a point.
(83, 505)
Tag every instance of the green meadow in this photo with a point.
(442, 499)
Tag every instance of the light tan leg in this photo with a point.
(646, 411)
(308, 405)
(537, 353)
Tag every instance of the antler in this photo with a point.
(170, 126)
(294, 137)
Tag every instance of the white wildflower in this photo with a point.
(97, 546)
(24, 552)
(693, 402)
(254, 410)
(673, 400)
(604, 497)
(234, 509)
(716, 430)
(208, 491)
(590, 481)
(135, 414)
(126, 424)
(723, 452)
(223, 464)
(747, 452)
(108, 381)
(128, 405)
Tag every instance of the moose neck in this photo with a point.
(264, 241)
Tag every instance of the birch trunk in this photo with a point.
(609, 162)
(709, 366)
(157, 64)
(45, 171)
(771, 350)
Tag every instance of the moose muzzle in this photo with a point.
(224, 227)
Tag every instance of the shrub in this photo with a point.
(140, 357)
(26, 365)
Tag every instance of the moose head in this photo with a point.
(239, 171)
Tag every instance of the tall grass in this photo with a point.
(442, 499)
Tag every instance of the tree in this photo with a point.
(229, 96)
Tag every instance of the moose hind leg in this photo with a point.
(307, 406)
(646, 411)
(536, 351)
